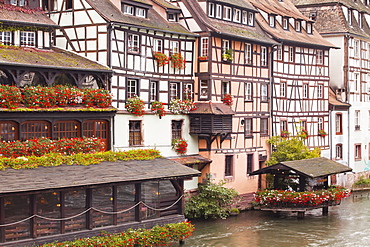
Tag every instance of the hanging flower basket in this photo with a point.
(180, 146)
(178, 106)
(162, 59)
(135, 106)
(284, 134)
(322, 133)
(227, 99)
(158, 108)
(177, 61)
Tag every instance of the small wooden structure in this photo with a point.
(70, 201)
(312, 174)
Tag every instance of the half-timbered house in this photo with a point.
(28, 58)
(232, 89)
(346, 25)
(300, 73)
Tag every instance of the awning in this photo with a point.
(65, 176)
(313, 168)
(190, 160)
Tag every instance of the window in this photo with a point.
(66, 129)
(312, 16)
(356, 48)
(248, 127)
(172, 17)
(225, 46)
(140, 12)
(338, 123)
(225, 87)
(133, 43)
(248, 91)
(127, 9)
(227, 13)
(263, 56)
(357, 82)
(272, 20)
(309, 27)
(188, 91)
(204, 46)
(298, 26)
(285, 23)
(34, 129)
(132, 88)
(8, 131)
(358, 152)
(18, 2)
(218, 11)
(153, 91)
(360, 16)
(96, 128)
(6, 38)
(176, 127)
(237, 15)
(175, 47)
(264, 92)
(203, 90)
(228, 166)
(134, 138)
(320, 123)
(49, 5)
(369, 124)
(69, 4)
(283, 125)
(250, 18)
(174, 92)
(264, 126)
(279, 53)
(245, 17)
(282, 89)
(249, 163)
(211, 9)
(339, 151)
(320, 91)
(27, 38)
(305, 90)
(158, 45)
(319, 57)
(291, 54)
(357, 120)
(248, 53)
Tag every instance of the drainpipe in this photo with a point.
(346, 86)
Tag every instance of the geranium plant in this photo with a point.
(162, 59)
(177, 61)
(284, 134)
(304, 133)
(202, 58)
(135, 106)
(70, 96)
(158, 108)
(10, 97)
(178, 106)
(39, 97)
(227, 99)
(179, 145)
(322, 133)
(97, 98)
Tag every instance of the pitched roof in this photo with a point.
(334, 101)
(153, 21)
(221, 27)
(359, 5)
(287, 9)
(54, 58)
(313, 168)
(214, 108)
(191, 159)
(65, 176)
(21, 15)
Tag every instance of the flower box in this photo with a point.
(322, 133)
(180, 146)
(177, 61)
(203, 58)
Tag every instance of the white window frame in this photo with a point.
(291, 54)
(244, 17)
(248, 53)
(211, 9)
(248, 94)
(218, 11)
(188, 91)
(356, 81)
(320, 89)
(140, 12)
(158, 45)
(248, 126)
(309, 27)
(225, 45)
(320, 57)
(282, 89)
(132, 88)
(272, 20)
(320, 123)
(204, 44)
(279, 53)
(305, 90)
(174, 92)
(227, 13)
(250, 19)
(338, 151)
(264, 92)
(298, 25)
(172, 17)
(285, 23)
(357, 119)
(356, 48)
(6, 37)
(203, 89)
(133, 42)
(153, 91)
(28, 38)
(174, 46)
(237, 15)
(128, 9)
(263, 56)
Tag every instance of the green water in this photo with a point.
(347, 224)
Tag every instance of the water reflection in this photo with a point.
(346, 225)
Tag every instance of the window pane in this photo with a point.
(30, 130)
(135, 133)
(17, 208)
(48, 205)
(102, 199)
(66, 129)
(75, 203)
(125, 200)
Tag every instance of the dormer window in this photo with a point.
(313, 16)
(218, 11)
(227, 13)
(5, 37)
(140, 12)
(211, 9)
(27, 38)
(298, 25)
(350, 16)
(250, 19)
(18, 2)
(237, 15)
(245, 17)
(285, 23)
(272, 20)
(172, 16)
(360, 16)
(127, 9)
(309, 27)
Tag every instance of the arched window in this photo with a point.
(66, 129)
(8, 131)
(97, 128)
(32, 79)
(35, 129)
(64, 80)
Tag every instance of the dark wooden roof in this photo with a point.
(65, 176)
(55, 58)
(191, 159)
(153, 21)
(313, 168)
(24, 16)
(214, 108)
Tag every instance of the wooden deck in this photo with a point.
(300, 211)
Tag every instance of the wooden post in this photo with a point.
(2, 219)
(115, 207)
(302, 183)
(33, 211)
(325, 210)
(301, 215)
(138, 199)
(62, 212)
(89, 220)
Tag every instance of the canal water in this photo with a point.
(347, 224)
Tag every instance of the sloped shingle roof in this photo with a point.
(210, 107)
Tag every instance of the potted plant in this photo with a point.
(177, 61)
(178, 106)
(227, 56)
(227, 99)
(203, 58)
(284, 134)
(162, 59)
(158, 108)
(179, 145)
(135, 106)
(322, 133)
